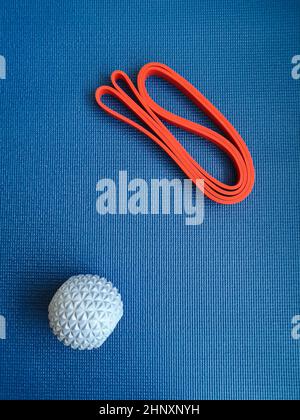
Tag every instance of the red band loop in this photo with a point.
(152, 115)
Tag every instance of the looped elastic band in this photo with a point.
(151, 114)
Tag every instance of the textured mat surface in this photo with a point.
(208, 309)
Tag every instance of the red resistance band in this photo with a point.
(151, 114)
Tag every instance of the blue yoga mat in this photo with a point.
(208, 308)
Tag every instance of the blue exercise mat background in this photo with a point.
(208, 308)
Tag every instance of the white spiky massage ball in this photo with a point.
(84, 311)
